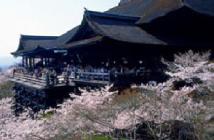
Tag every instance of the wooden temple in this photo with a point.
(123, 45)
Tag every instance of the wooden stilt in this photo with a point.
(33, 59)
(30, 62)
(23, 61)
(42, 59)
(27, 62)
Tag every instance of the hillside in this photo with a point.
(180, 108)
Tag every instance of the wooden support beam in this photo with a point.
(30, 62)
(26, 62)
(23, 61)
(42, 59)
(48, 61)
(33, 61)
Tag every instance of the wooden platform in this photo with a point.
(27, 83)
(31, 81)
(92, 78)
(85, 78)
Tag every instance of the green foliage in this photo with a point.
(97, 137)
(6, 89)
(48, 114)
(61, 137)
(209, 134)
(100, 137)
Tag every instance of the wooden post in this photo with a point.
(33, 62)
(42, 59)
(30, 62)
(49, 61)
(109, 77)
(26, 62)
(23, 61)
(46, 62)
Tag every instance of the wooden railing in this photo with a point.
(33, 79)
(43, 82)
(91, 77)
(29, 80)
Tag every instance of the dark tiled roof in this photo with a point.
(34, 37)
(116, 27)
(64, 38)
(201, 6)
(151, 9)
(119, 23)
(140, 7)
(84, 42)
(30, 42)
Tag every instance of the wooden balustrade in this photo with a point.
(29, 80)
(60, 80)
(99, 78)
(92, 76)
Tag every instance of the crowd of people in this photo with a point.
(88, 72)
(51, 75)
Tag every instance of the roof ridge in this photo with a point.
(38, 37)
(109, 15)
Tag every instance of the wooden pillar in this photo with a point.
(45, 63)
(48, 61)
(26, 62)
(33, 62)
(23, 61)
(42, 59)
(30, 62)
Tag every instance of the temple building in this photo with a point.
(123, 45)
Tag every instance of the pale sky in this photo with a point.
(41, 17)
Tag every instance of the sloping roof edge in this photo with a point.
(32, 38)
(148, 20)
(98, 30)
